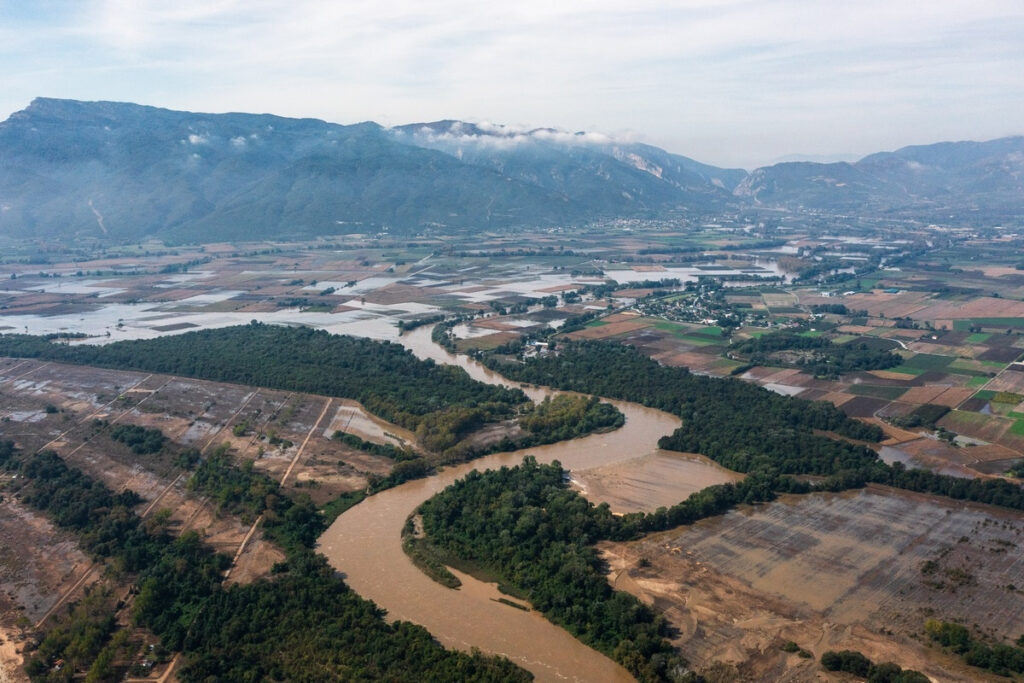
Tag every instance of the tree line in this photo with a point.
(747, 428)
(304, 624)
(384, 377)
(817, 355)
(524, 525)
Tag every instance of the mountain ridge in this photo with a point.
(126, 171)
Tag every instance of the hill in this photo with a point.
(125, 171)
(982, 179)
(119, 171)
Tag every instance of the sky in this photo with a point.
(728, 82)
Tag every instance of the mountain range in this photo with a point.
(125, 171)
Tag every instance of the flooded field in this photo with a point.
(828, 571)
(345, 292)
(860, 570)
(38, 562)
(352, 418)
(365, 545)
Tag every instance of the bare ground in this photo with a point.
(830, 572)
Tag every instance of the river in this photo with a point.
(365, 545)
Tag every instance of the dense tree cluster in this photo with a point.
(989, 491)
(817, 355)
(853, 662)
(835, 309)
(77, 640)
(567, 417)
(747, 428)
(307, 625)
(410, 325)
(241, 490)
(384, 377)
(524, 525)
(999, 658)
(175, 575)
(142, 440)
(925, 415)
(303, 625)
(384, 450)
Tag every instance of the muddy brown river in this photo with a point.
(365, 545)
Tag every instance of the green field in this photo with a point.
(701, 335)
(677, 329)
(977, 338)
(984, 368)
(907, 370)
(877, 391)
(697, 339)
(928, 361)
(995, 323)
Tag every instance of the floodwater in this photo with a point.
(364, 544)
(891, 454)
(352, 418)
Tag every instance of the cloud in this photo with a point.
(723, 80)
(501, 136)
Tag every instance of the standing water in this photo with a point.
(365, 545)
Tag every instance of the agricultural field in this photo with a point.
(860, 570)
(950, 399)
(73, 410)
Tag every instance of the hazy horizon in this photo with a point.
(731, 83)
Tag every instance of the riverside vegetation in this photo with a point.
(304, 624)
(179, 606)
(770, 437)
(512, 523)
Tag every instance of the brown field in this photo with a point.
(609, 330)
(663, 478)
(880, 304)
(1007, 381)
(400, 294)
(624, 316)
(42, 568)
(982, 307)
(888, 374)
(830, 571)
(975, 425)
(925, 394)
(779, 299)
(696, 361)
(893, 434)
(38, 563)
(788, 377)
(551, 290)
(856, 329)
(953, 396)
